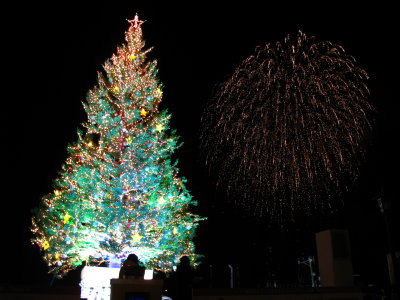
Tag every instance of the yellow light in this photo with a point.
(161, 200)
(143, 112)
(132, 57)
(57, 192)
(136, 238)
(116, 90)
(175, 230)
(45, 245)
(159, 127)
(67, 217)
(90, 144)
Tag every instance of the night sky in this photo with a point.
(52, 54)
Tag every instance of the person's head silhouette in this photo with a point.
(133, 258)
(184, 260)
(131, 268)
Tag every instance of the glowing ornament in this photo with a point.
(159, 92)
(116, 90)
(161, 200)
(136, 238)
(90, 144)
(132, 57)
(67, 218)
(175, 230)
(129, 140)
(57, 192)
(159, 127)
(45, 245)
(143, 112)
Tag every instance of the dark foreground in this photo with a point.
(73, 293)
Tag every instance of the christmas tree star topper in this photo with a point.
(136, 22)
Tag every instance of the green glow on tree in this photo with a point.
(118, 192)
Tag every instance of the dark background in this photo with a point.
(53, 51)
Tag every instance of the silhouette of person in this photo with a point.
(131, 269)
(184, 279)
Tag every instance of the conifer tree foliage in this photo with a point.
(118, 191)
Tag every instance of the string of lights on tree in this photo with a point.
(119, 192)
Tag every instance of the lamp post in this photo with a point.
(390, 256)
(309, 262)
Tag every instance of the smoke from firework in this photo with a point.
(285, 133)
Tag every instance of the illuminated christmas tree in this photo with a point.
(118, 192)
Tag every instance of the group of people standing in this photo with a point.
(179, 285)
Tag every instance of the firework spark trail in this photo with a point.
(285, 132)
